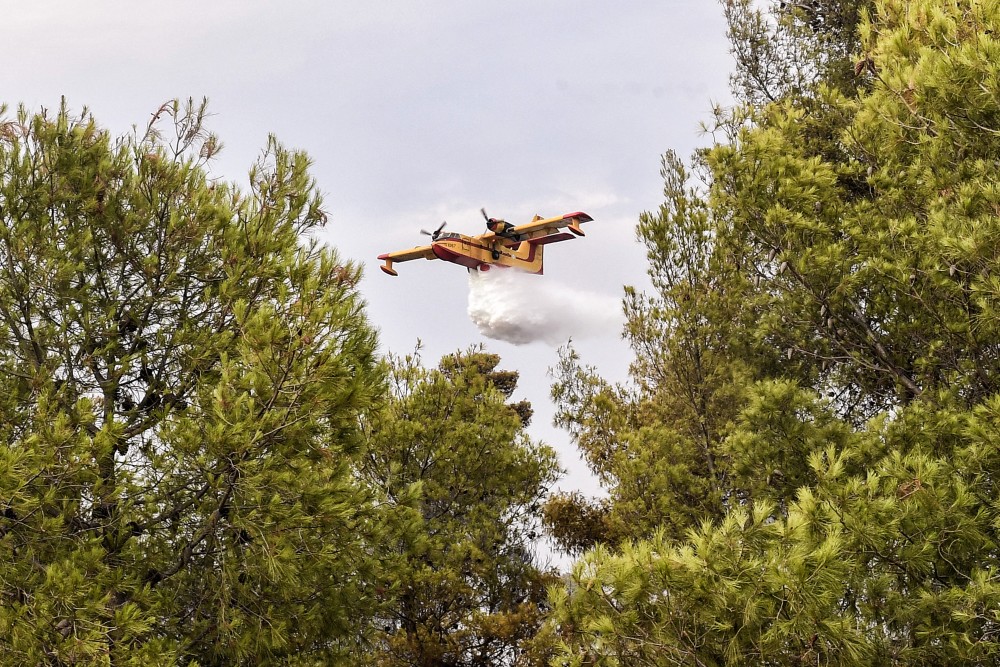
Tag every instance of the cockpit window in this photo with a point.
(449, 235)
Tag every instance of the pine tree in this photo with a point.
(656, 445)
(181, 377)
(852, 239)
(450, 454)
(785, 48)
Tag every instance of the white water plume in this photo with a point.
(520, 308)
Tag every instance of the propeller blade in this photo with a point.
(436, 233)
(485, 217)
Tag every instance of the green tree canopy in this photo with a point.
(450, 455)
(823, 332)
(784, 48)
(181, 380)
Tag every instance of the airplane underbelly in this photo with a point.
(454, 256)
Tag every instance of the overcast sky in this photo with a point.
(414, 113)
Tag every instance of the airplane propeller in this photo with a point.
(436, 233)
(500, 227)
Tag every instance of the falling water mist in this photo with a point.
(520, 308)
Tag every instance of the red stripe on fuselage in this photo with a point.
(442, 251)
(450, 255)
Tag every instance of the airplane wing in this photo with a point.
(419, 252)
(540, 227)
(570, 220)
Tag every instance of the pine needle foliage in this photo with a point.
(823, 331)
(181, 376)
(449, 455)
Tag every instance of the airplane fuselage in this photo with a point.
(465, 251)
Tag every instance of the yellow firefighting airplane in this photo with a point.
(503, 245)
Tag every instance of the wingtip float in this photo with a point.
(503, 244)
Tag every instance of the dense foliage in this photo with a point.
(181, 382)
(450, 456)
(804, 472)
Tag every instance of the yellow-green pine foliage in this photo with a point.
(846, 325)
(181, 377)
(449, 454)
